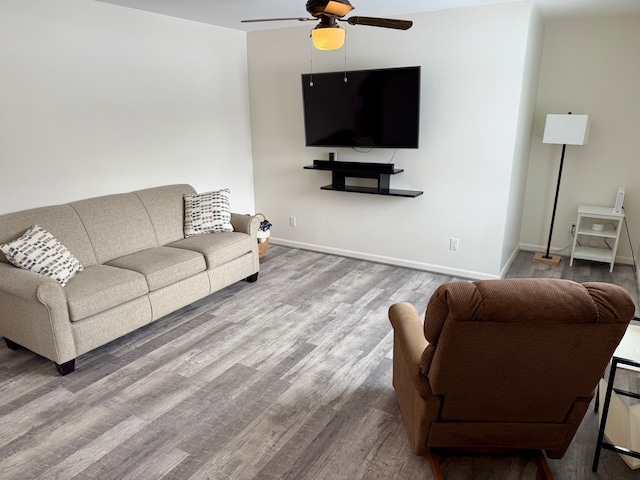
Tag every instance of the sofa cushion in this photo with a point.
(162, 266)
(207, 212)
(39, 251)
(117, 225)
(101, 287)
(61, 221)
(165, 206)
(217, 248)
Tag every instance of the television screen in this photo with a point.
(373, 108)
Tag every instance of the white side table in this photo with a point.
(587, 217)
(623, 426)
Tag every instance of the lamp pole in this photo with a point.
(555, 202)
(562, 130)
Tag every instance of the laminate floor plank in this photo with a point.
(157, 466)
(23, 419)
(48, 443)
(94, 450)
(285, 378)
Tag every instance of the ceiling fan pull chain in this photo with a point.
(345, 60)
(311, 66)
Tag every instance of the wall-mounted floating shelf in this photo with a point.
(380, 171)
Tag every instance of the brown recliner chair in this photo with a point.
(504, 364)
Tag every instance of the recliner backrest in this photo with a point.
(520, 350)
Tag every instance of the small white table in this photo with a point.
(612, 222)
(624, 420)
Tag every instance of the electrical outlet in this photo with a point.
(292, 221)
(572, 229)
(454, 244)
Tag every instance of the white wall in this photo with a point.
(589, 66)
(473, 62)
(530, 83)
(98, 99)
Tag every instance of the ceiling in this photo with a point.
(228, 13)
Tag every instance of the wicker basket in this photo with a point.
(262, 247)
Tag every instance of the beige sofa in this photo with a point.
(138, 267)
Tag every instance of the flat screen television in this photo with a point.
(373, 108)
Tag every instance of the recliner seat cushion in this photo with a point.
(217, 248)
(101, 287)
(162, 266)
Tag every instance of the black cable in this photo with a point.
(395, 150)
(633, 257)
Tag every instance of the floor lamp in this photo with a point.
(562, 130)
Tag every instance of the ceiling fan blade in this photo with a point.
(339, 9)
(380, 22)
(300, 19)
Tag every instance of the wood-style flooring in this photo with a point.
(285, 378)
(581, 271)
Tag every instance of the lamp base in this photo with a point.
(554, 260)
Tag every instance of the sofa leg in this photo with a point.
(253, 278)
(66, 367)
(11, 344)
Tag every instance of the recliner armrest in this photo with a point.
(418, 404)
(408, 332)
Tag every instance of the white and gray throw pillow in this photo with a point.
(39, 251)
(207, 212)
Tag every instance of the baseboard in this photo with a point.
(399, 262)
(507, 266)
(525, 247)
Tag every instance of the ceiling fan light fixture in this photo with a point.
(328, 38)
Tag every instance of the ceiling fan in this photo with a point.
(328, 35)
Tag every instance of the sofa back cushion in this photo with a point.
(117, 225)
(165, 207)
(61, 221)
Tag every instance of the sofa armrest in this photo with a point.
(22, 283)
(34, 314)
(245, 223)
(418, 405)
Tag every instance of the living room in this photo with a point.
(137, 99)
(100, 99)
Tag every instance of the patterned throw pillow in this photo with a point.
(39, 251)
(207, 213)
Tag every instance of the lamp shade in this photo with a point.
(327, 38)
(566, 129)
